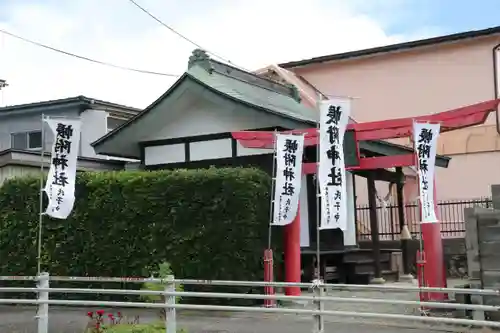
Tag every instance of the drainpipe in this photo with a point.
(496, 82)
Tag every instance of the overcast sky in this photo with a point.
(251, 34)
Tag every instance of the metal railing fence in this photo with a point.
(450, 212)
(318, 299)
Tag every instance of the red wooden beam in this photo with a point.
(385, 162)
(442, 117)
(450, 120)
(471, 115)
(265, 139)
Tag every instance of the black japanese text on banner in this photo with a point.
(289, 149)
(60, 186)
(425, 138)
(334, 117)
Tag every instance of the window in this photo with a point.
(27, 140)
(114, 123)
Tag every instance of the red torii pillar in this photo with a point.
(471, 115)
(293, 268)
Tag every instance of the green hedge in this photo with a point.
(208, 224)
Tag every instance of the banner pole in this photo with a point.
(318, 193)
(273, 189)
(40, 217)
(268, 253)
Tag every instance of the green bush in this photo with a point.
(208, 224)
(162, 273)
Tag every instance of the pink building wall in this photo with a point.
(423, 81)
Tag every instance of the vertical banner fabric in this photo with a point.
(305, 237)
(425, 138)
(60, 186)
(334, 117)
(288, 181)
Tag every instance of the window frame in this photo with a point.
(27, 134)
(109, 129)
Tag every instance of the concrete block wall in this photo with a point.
(495, 195)
(455, 257)
(472, 244)
(483, 252)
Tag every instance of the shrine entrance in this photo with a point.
(375, 168)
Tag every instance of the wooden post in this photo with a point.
(269, 277)
(403, 227)
(372, 201)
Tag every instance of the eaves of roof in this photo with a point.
(394, 48)
(71, 101)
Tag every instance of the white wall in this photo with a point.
(206, 117)
(207, 150)
(94, 126)
(164, 154)
(198, 151)
(11, 171)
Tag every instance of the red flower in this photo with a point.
(119, 314)
(100, 312)
(90, 314)
(110, 315)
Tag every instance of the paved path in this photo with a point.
(72, 320)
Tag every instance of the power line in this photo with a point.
(85, 58)
(147, 12)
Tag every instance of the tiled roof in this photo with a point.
(253, 94)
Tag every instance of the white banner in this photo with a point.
(425, 138)
(334, 117)
(60, 186)
(289, 149)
